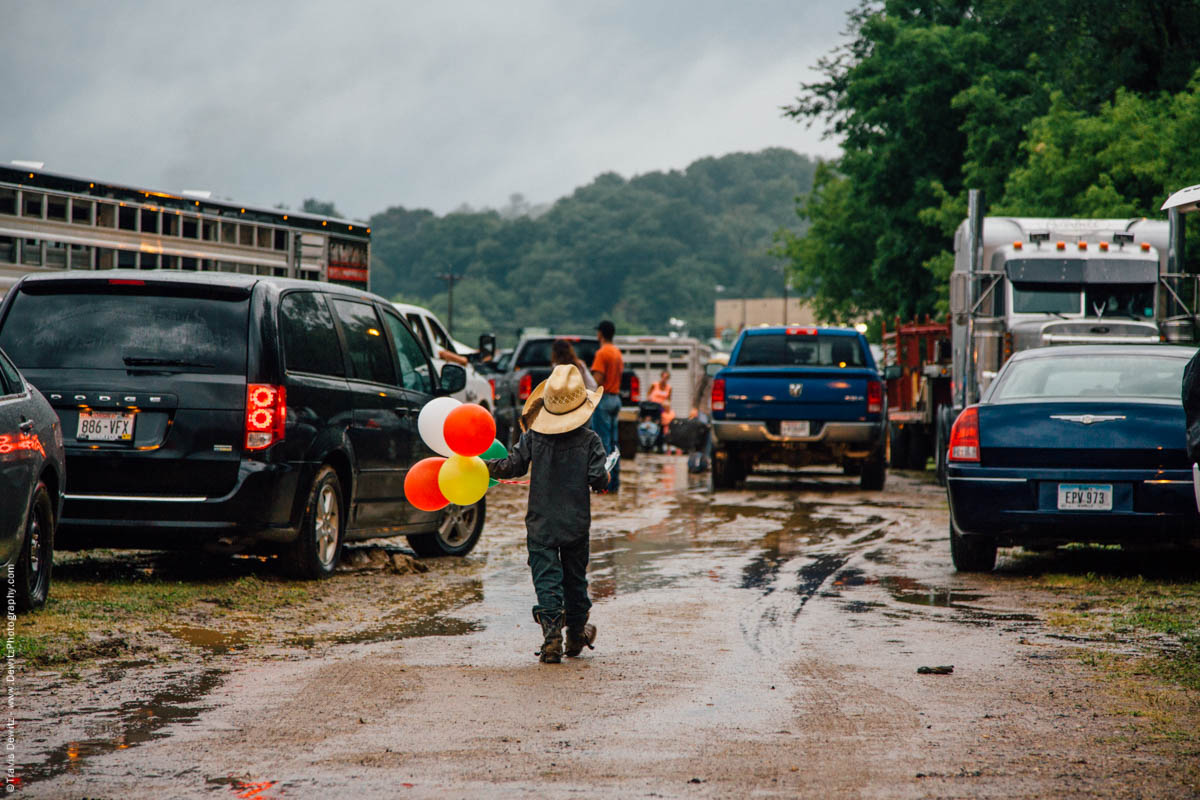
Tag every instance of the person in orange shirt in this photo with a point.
(607, 366)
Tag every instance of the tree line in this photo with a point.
(1053, 108)
(638, 251)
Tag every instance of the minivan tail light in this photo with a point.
(718, 394)
(526, 387)
(635, 390)
(266, 415)
(964, 436)
(874, 397)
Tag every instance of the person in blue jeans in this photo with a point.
(607, 366)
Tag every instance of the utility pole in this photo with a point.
(450, 278)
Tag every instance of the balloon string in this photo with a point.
(514, 483)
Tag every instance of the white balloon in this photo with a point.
(431, 422)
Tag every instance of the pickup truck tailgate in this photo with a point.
(821, 394)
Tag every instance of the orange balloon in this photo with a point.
(421, 484)
(469, 430)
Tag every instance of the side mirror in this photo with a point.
(711, 370)
(487, 345)
(892, 371)
(453, 379)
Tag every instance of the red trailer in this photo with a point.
(917, 368)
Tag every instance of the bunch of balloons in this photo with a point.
(462, 434)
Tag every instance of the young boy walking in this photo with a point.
(568, 460)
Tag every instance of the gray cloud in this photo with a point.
(372, 104)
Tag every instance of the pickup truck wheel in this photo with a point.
(457, 534)
(971, 553)
(874, 474)
(318, 547)
(725, 469)
(898, 443)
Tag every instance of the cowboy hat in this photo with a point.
(561, 403)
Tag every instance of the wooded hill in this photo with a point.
(637, 251)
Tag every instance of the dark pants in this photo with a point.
(605, 424)
(560, 580)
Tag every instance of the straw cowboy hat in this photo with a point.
(560, 403)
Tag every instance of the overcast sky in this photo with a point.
(425, 105)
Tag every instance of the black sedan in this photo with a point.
(1072, 444)
(31, 486)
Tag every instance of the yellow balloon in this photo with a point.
(463, 479)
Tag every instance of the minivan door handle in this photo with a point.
(402, 411)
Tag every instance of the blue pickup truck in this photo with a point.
(799, 396)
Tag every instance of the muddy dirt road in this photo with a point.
(756, 643)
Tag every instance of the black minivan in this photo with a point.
(234, 412)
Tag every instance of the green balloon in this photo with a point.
(497, 450)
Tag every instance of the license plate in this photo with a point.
(1085, 497)
(105, 426)
(794, 428)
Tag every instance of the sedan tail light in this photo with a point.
(718, 394)
(635, 389)
(874, 397)
(525, 388)
(266, 415)
(964, 436)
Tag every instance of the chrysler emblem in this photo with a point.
(794, 389)
(1086, 419)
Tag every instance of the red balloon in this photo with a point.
(421, 484)
(469, 430)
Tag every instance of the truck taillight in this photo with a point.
(964, 436)
(874, 397)
(718, 394)
(525, 387)
(635, 390)
(266, 415)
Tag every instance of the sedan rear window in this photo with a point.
(1094, 376)
(784, 350)
(135, 329)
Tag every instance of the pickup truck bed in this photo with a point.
(799, 396)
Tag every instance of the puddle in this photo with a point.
(426, 626)
(213, 641)
(907, 590)
(244, 788)
(129, 725)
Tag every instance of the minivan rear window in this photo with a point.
(109, 328)
(820, 350)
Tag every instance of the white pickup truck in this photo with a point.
(433, 336)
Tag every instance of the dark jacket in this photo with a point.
(565, 465)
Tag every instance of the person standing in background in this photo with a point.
(607, 367)
(563, 353)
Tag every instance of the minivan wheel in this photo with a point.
(318, 548)
(457, 534)
(37, 553)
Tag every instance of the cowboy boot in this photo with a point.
(578, 635)
(552, 644)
